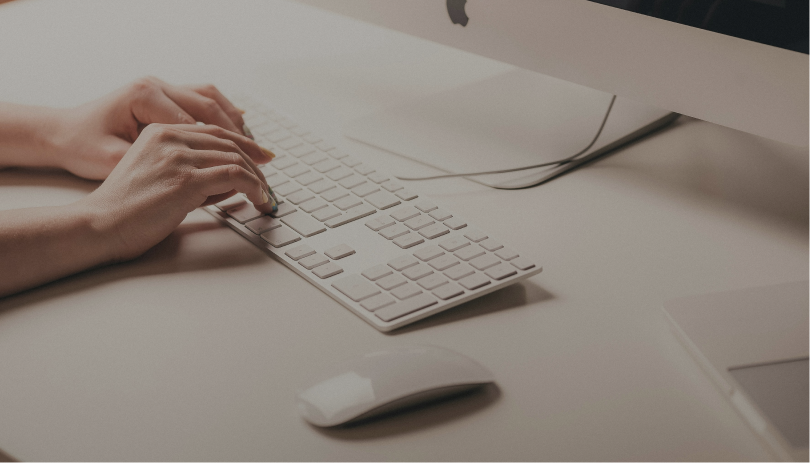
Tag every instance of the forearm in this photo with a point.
(29, 135)
(38, 245)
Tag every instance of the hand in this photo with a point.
(94, 137)
(168, 172)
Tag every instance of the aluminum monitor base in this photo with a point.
(514, 119)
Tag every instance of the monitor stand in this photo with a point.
(514, 119)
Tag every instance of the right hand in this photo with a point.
(168, 172)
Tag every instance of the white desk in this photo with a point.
(176, 356)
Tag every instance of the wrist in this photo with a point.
(97, 231)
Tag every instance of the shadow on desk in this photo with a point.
(516, 296)
(418, 418)
(187, 249)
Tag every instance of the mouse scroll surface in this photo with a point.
(386, 380)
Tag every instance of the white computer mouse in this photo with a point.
(387, 380)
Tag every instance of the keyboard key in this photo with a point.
(312, 138)
(351, 215)
(310, 262)
(428, 252)
(300, 196)
(348, 202)
(339, 252)
(296, 170)
(432, 281)
(378, 177)
(326, 166)
(283, 163)
(401, 263)
(327, 270)
(356, 287)
(469, 252)
(380, 222)
(406, 195)
(286, 123)
(443, 263)
(475, 235)
(448, 291)
(434, 231)
(350, 161)
(506, 254)
(263, 224)
(405, 291)
(366, 189)
(299, 252)
(280, 237)
(335, 194)
(408, 240)
(391, 281)
(404, 213)
(490, 245)
(425, 206)
(320, 186)
(326, 213)
(284, 209)
(459, 271)
(231, 202)
(303, 224)
(290, 143)
(377, 302)
(391, 186)
(377, 272)
(244, 212)
(453, 243)
(397, 230)
(474, 281)
(522, 263)
(324, 146)
(484, 262)
(381, 199)
(314, 158)
(419, 222)
(302, 150)
(440, 215)
(278, 135)
(501, 271)
(336, 153)
(417, 271)
(276, 180)
(287, 188)
(308, 179)
(352, 181)
(313, 205)
(339, 173)
(400, 309)
(362, 169)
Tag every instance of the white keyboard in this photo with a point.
(386, 253)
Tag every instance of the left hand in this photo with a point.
(95, 136)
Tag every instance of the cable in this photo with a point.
(535, 166)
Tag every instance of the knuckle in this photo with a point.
(209, 105)
(232, 146)
(143, 86)
(208, 89)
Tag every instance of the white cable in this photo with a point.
(535, 166)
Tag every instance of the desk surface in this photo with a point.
(176, 356)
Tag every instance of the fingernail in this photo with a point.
(247, 131)
(240, 110)
(275, 208)
(268, 153)
(264, 197)
(272, 194)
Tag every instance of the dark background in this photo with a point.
(780, 23)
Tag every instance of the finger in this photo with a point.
(152, 106)
(228, 148)
(201, 108)
(203, 159)
(218, 198)
(248, 146)
(222, 179)
(232, 111)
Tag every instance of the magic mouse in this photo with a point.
(387, 380)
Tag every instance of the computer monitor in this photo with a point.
(589, 50)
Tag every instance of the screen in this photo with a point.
(780, 23)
